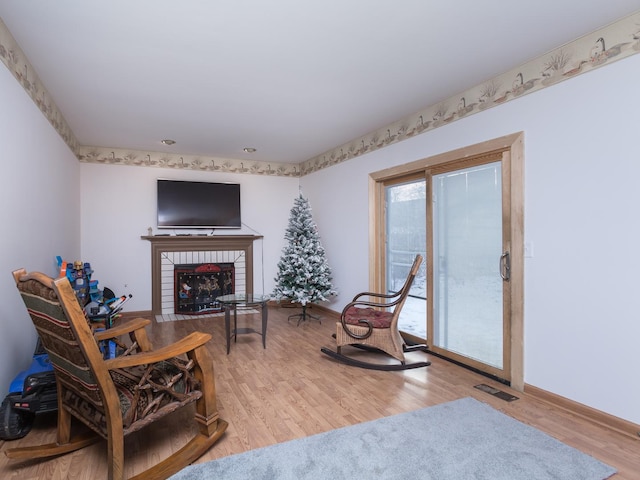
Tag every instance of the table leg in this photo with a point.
(227, 325)
(265, 312)
(235, 324)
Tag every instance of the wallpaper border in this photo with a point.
(608, 44)
(616, 41)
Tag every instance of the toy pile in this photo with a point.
(99, 305)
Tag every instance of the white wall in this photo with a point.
(119, 205)
(582, 165)
(39, 213)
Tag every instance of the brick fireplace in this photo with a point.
(167, 252)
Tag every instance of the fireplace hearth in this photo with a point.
(197, 286)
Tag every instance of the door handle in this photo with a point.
(505, 266)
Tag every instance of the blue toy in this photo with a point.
(32, 391)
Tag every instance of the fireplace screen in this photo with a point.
(198, 285)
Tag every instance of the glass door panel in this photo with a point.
(406, 236)
(467, 248)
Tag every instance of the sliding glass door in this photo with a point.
(468, 301)
(462, 211)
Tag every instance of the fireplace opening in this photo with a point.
(197, 286)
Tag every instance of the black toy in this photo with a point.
(32, 391)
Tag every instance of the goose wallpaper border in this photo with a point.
(594, 50)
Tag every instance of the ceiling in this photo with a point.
(291, 78)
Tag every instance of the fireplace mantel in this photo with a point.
(194, 243)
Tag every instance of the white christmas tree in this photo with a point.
(304, 275)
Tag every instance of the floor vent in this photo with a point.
(496, 393)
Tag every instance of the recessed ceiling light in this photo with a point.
(167, 141)
(249, 149)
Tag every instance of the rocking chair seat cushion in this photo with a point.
(377, 318)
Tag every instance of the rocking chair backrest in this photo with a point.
(65, 334)
(401, 296)
(404, 291)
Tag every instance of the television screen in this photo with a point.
(184, 204)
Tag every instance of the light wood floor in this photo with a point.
(291, 390)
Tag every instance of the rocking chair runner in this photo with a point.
(121, 395)
(373, 325)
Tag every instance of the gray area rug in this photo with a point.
(459, 440)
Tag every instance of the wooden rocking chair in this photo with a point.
(117, 396)
(373, 325)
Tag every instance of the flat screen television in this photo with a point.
(185, 204)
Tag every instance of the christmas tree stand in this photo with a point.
(302, 317)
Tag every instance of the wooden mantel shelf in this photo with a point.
(192, 240)
(190, 243)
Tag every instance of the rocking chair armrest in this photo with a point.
(372, 304)
(347, 328)
(186, 344)
(362, 303)
(373, 294)
(122, 329)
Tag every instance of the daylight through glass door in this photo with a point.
(467, 254)
(406, 236)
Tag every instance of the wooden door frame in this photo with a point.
(511, 148)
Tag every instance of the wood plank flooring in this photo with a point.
(291, 390)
